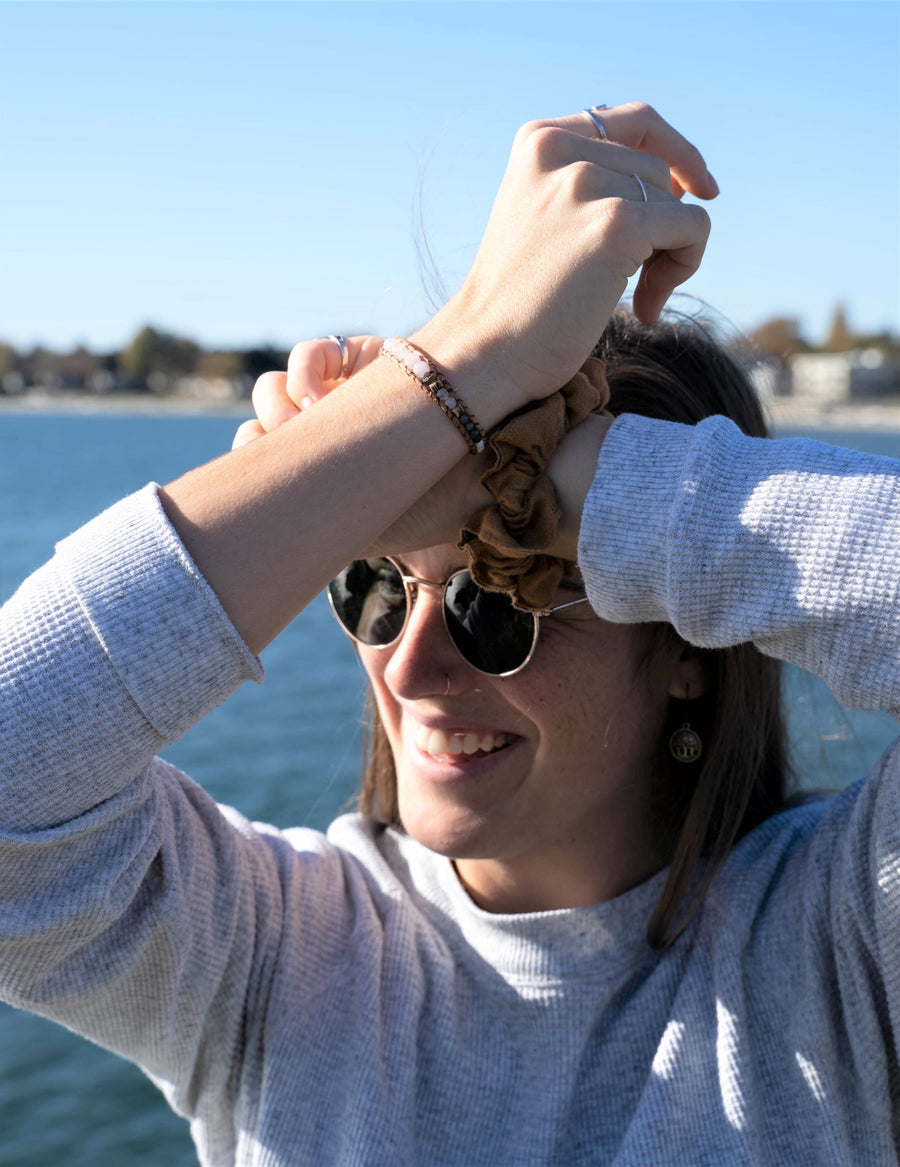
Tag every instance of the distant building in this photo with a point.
(770, 378)
(825, 379)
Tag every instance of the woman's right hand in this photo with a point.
(568, 229)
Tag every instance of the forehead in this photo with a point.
(434, 563)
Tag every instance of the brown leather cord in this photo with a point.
(506, 543)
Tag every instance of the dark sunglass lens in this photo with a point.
(369, 599)
(489, 632)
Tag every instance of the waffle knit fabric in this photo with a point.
(316, 1000)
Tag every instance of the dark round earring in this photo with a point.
(685, 744)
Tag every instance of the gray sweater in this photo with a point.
(310, 999)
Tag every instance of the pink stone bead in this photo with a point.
(421, 369)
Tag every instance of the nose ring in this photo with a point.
(447, 690)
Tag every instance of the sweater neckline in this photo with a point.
(564, 945)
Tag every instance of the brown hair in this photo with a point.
(675, 371)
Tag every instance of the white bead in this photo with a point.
(450, 402)
(421, 369)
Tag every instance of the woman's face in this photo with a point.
(540, 785)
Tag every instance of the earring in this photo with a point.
(685, 744)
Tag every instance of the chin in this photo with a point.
(456, 835)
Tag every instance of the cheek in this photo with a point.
(374, 663)
(594, 702)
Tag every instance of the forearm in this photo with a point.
(793, 545)
(270, 523)
(112, 649)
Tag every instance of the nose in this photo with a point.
(424, 658)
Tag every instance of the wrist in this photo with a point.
(572, 469)
(477, 369)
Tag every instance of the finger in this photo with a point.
(554, 148)
(271, 402)
(678, 250)
(315, 367)
(310, 364)
(591, 184)
(622, 160)
(638, 126)
(247, 432)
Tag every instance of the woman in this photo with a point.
(478, 986)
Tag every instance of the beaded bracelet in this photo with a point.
(416, 364)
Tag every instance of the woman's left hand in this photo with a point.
(315, 369)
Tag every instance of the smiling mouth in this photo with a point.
(438, 743)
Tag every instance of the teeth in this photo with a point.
(434, 743)
(437, 742)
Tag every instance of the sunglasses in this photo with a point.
(372, 600)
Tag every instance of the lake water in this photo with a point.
(286, 752)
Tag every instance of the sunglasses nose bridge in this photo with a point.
(424, 655)
(413, 583)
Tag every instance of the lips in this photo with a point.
(440, 743)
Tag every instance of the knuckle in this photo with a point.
(544, 144)
(298, 353)
(526, 130)
(580, 179)
(703, 222)
(641, 107)
(660, 175)
(265, 385)
(620, 213)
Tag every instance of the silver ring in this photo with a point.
(641, 185)
(598, 125)
(341, 342)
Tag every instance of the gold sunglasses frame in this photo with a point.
(414, 581)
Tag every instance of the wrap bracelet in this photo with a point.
(417, 365)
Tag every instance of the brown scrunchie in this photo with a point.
(506, 543)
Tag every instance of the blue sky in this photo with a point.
(241, 172)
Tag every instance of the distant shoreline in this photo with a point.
(124, 403)
(857, 415)
(782, 412)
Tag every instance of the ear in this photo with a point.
(689, 676)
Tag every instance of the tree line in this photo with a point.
(153, 361)
(157, 361)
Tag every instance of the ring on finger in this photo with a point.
(341, 342)
(641, 185)
(598, 125)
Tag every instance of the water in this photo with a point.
(286, 752)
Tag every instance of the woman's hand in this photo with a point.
(568, 228)
(313, 372)
(315, 368)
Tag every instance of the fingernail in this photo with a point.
(712, 182)
(305, 403)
